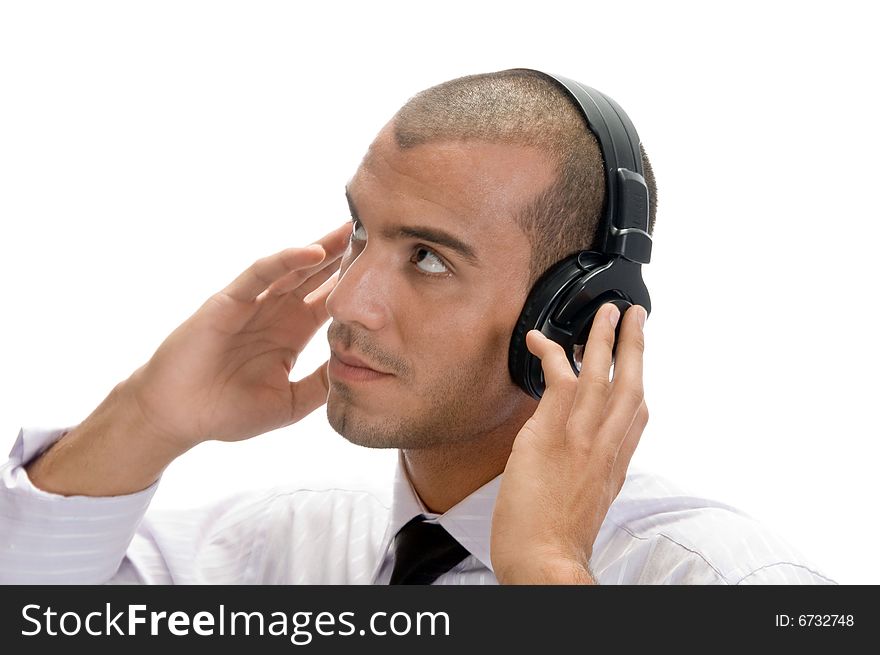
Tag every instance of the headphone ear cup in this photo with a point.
(563, 305)
(541, 302)
(518, 355)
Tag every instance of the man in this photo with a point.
(465, 197)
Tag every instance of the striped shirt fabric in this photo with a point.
(654, 533)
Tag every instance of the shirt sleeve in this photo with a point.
(48, 538)
(785, 573)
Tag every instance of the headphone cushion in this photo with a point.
(542, 294)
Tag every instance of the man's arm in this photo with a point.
(563, 572)
(111, 453)
(69, 507)
(47, 538)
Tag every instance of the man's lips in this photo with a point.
(351, 360)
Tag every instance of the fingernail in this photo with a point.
(643, 314)
(614, 316)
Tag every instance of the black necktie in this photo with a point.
(424, 552)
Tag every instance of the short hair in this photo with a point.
(524, 107)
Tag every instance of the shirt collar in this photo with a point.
(469, 521)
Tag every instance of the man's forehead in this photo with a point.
(476, 174)
(475, 189)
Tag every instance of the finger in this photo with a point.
(306, 323)
(594, 385)
(627, 389)
(301, 283)
(317, 281)
(305, 281)
(319, 295)
(560, 382)
(266, 270)
(630, 442)
(309, 393)
(336, 241)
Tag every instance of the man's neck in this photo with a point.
(443, 476)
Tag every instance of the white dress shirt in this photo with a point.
(654, 533)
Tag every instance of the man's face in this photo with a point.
(437, 320)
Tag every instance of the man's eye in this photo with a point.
(357, 226)
(435, 264)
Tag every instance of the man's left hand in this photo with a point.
(569, 460)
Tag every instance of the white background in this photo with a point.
(149, 152)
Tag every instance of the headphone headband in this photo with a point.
(625, 216)
(564, 300)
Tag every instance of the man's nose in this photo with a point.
(360, 293)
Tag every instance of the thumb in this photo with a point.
(309, 393)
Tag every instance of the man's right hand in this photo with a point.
(223, 374)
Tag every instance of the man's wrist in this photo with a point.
(111, 453)
(571, 572)
(551, 572)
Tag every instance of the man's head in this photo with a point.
(503, 164)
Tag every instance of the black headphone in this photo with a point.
(565, 299)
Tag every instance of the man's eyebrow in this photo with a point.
(432, 234)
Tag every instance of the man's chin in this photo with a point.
(353, 426)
